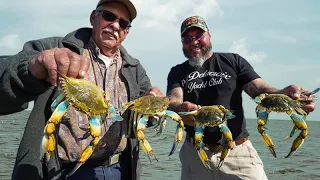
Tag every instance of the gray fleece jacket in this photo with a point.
(18, 87)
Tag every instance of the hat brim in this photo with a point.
(194, 25)
(128, 4)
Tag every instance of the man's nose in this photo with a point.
(115, 25)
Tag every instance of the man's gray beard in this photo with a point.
(196, 62)
(200, 59)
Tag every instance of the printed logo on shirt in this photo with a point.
(216, 78)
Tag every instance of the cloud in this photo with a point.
(160, 14)
(10, 43)
(241, 47)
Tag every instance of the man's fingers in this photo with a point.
(308, 107)
(62, 60)
(75, 64)
(50, 64)
(84, 66)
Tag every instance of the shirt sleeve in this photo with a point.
(246, 72)
(173, 80)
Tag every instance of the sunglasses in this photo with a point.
(188, 39)
(109, 16)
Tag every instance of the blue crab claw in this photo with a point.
(113, 113)
(47, 147)
(84, 155)
(140, 135)
(178, 137)
(262, 121)
(48, 142)
(179, 131)
(301, 125)
(226, 143)
(200, 146)
(95, 132)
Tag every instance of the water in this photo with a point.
(304, 164)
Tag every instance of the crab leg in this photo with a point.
(162, 126)
(113, 114)
(262, 121)
(179, 130)
(294, 128)
(226, 133)
(95, 132)
(200, 146)
(301, 125)
(140, 135)
(48, 141)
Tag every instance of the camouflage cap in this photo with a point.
(193, 21)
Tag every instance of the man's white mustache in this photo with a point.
(111, 31)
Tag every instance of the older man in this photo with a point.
(210, 78)
(97, 55)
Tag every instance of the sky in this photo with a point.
(278, 38)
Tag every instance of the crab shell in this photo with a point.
(84, 95)
(150, 105)
(277, 102)
(210, 115)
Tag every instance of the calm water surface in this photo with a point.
(304, 164)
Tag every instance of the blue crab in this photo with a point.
(87, 98)
(211, 116)
(149, 106)
(282, 103)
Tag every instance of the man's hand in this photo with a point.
(154, 91)
(46, 65)
(297, 92)
(186, 107)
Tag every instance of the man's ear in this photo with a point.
(92, 17)
(127, 31)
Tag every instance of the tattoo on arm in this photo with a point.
(258, 86)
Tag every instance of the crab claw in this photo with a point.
(47, 147)
(262, 121)
(140, 135)
(84, 155)
(145, 145)
(301, 125)
(227, 135)
(178, 137)
(200, 146)
(204, 158)
(48, 142)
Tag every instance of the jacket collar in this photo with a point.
(79, 38)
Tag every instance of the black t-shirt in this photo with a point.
(218, 82)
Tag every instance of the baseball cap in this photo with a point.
(193, 21)
(128, 4)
